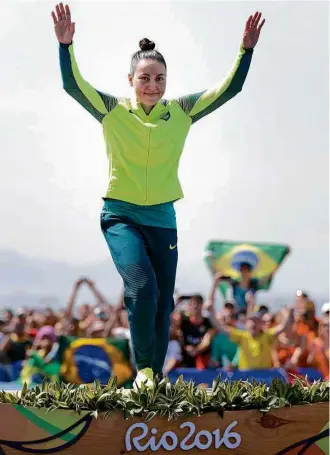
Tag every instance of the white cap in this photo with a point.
(325, 307)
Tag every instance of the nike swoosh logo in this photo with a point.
(172, 247)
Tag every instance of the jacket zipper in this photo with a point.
(146, 200)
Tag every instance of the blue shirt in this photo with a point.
(239, 293)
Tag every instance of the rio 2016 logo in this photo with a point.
(169, 440)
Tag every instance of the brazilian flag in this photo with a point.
(84, 360)
(227, 257)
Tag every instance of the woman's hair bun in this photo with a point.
(146, 45)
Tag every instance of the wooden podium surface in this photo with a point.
(298, 430)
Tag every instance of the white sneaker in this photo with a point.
(146, 377)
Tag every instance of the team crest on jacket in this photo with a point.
(166, 116)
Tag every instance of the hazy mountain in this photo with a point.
(30, 280)
(33, 281)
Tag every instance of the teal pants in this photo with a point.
(146, 258)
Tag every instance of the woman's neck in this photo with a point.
(147, 108)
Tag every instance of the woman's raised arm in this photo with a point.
(199, 105)
(95, 102)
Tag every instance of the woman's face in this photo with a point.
(245, 272)
(149, 81)
(267, 321)
(46, 342)
(254, 326)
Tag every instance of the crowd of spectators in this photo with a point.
(238, 336)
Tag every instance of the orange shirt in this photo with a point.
(304, 329)
(284, 353)
(321, 358)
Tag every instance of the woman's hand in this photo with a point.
(252, 31)
(64, 28)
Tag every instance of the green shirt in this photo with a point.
(144, 150)
(222, 346)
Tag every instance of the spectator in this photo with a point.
(229, 311)
(325, 310)
(181, 303)
(96, 330)
(241, 319)
(87, 315)
(174, 352)
(39, 319)
(197, 334)
(256, 343)
(309, 317)
(117, 324)
(7, 316)
(301, 299)
(14, 345)
(306, 324)
(263, 309)
(85, 318)
(121, 328)
(245, 288)
(20, 316)
(290, 348)
(2, 330)
(31, 326)
(246, 340)
(68, 327)
(224, 352)
(319, 352)
(42, 358)
(50, 317)
(268, 320)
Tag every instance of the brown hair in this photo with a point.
(147, 51)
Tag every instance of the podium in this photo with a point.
(42, 429)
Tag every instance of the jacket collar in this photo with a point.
(157, 111)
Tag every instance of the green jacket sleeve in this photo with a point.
(200, 104)
(96, 103)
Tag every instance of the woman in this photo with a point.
(290, 348)
(144, 138)
(319, 351)
(42, 359)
